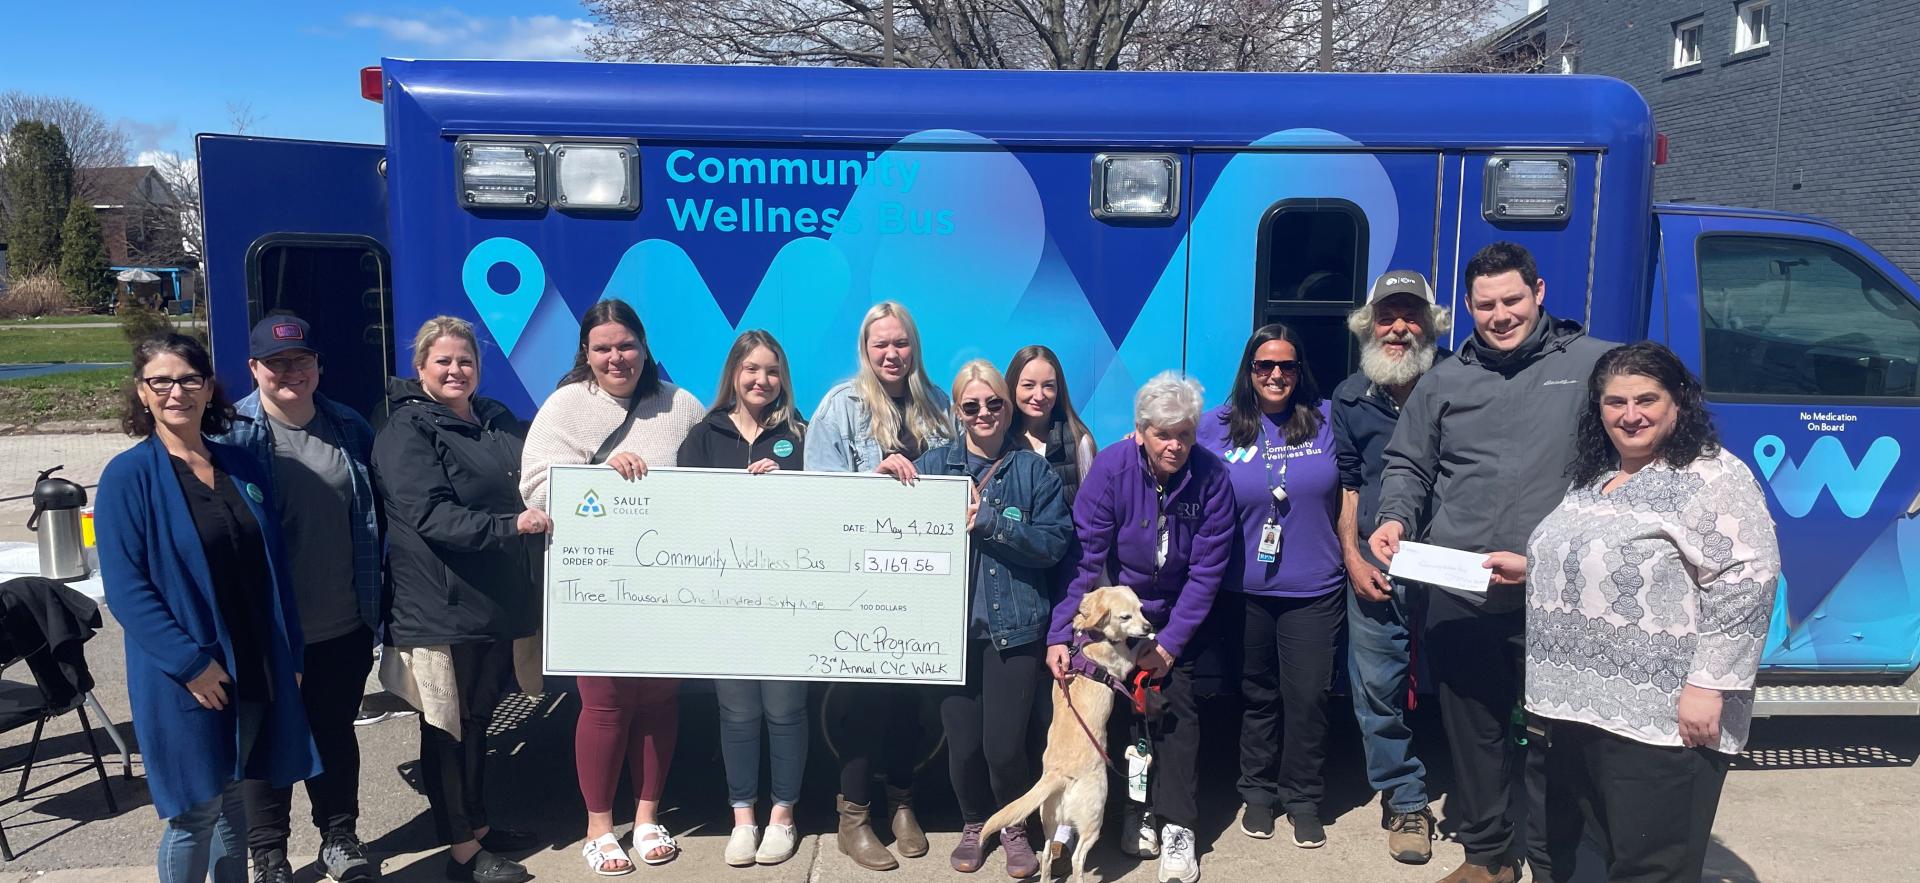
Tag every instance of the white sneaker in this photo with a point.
(1179, 857)
(741, 846)
(1138, 836)
(778, 845)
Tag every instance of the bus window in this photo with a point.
(1312, 273)
(1805, 320)
(339, 284)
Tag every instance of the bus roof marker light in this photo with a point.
(596, 176)
(1527, 188)
(501, 175)
(1136, 185)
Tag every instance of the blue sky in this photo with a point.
(167, 70)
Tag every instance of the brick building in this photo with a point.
(1801, 105)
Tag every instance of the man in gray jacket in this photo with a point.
(1481, 454)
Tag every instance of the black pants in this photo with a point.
(335, 678)
(1652, 805)
(988, 722)
(1172, 789)
(1476, 660)
(453, 771)
(881, 723)
(1286, 670)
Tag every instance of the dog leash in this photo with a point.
(1064, 682)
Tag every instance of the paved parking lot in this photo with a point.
(1814, 800)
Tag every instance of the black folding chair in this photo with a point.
(61, 684)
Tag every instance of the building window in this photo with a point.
(1686, 42)
(1753, 22)
(1794, 318)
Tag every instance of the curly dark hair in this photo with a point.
(1693, 436)
(137, 422)
(1243, 417)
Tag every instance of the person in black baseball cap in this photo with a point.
(318, 456)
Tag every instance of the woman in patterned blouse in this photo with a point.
(1648, 595)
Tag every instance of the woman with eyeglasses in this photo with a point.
(1284, 578)
(192, 562)
(880, 420)
(1018, 527)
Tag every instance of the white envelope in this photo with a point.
(1440, 566)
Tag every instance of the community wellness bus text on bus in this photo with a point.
(1131, 221)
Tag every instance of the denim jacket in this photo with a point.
(838, 438)
(251, 434)
(1023, 529)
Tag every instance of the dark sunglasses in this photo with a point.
(994, 405)
(1263, 367)
(165, 385)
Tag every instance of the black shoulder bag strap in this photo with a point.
(619, 433)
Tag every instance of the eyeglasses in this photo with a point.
(164, 385)
(1263, 367)
(290, 365)
(994, 405)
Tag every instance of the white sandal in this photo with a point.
(605, 851)
(647, 838)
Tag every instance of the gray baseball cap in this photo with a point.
(1400, 282)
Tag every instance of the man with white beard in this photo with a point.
(1397, 329)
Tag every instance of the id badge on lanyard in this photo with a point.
(1269, 548)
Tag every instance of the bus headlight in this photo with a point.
(596, 177)
(500, 174)
(1527, 187)
(1136, 185)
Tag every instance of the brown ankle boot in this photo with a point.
(1498, 872)
(908, 836)
(858, 841)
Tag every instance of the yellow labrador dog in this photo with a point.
(1072, 790)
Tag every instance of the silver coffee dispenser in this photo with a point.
(56, 524)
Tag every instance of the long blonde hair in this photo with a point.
(780, 410)
(922, 420)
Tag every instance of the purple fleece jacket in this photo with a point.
(1116, 516)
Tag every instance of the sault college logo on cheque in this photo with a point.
(590, 506)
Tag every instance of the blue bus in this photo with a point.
(1133, 222)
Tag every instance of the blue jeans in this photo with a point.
(783, 705)
(213, 834)
(1378, 657)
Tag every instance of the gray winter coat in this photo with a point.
(1489, 439)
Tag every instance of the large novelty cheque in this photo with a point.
(715, 573)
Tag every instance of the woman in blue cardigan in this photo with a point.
(191, 558)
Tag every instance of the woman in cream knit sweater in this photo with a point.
(630, 720)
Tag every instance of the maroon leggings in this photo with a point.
(630, 720)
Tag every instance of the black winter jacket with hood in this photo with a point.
(715, 443)
(459, 570)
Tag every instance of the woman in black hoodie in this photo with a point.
(752, 426)
(461, 559)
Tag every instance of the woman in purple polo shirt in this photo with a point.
(1284, 578)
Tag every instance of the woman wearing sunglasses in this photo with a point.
(192, 562)
(1019, 526)
(1275, 437)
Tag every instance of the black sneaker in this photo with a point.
(1257, 822)
(1308, 833)
(501, 839)
(344, 858)
(271, 866)
(488, 868)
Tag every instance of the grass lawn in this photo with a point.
(98, 344)
(76, 395)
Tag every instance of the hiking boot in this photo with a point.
(1179, 856)
(908, 836)
(1410, 836)
(1139, 838)
(969, 855)
(1021, 862)
(344, 858)
(271, 866)
(1499, 872)
(1308, 832)
(1257, 821)
(857, 840)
